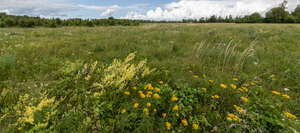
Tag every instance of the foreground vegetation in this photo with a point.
(151, 78)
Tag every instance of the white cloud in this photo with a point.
(109, 12)
(50, 8)
(35, 7)
(196, 9)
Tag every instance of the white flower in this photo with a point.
(286, 89)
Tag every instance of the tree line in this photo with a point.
(26, 21)
(274, 15)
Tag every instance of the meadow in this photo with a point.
(151, 78)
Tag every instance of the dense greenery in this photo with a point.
(204, 78)
(26, 21)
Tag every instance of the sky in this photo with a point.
(139, 9)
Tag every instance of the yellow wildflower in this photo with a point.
(146, 111)
(155, 110)
(204, 89)
(245, 85)
(148, 95)
(286, 96)
(244, 99)
(123, 111)
(196, 76)
(20, 128)
(134, 88)
(204, 76)
(142, 95)
(156, 96)
(136, 105)
(235, 79)
(290, 115)
(184, 122)
(215, 97)
(177, 114)
(196, 126)
(148, 104)
(276, 92)
(190, 71)
(149, 92)
(252, 83)
(233, 86)
(174, 99)
(127, 93)
(223, 86)
(157, 89)
(238, 108)
(148, 86)
(230, 115)
(161, 82)
(175, 108)
(210, 81)
(140, 92)
(166, 85)
(168, 125)
(229, 118)
(164, 115)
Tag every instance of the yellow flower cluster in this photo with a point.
(127, 93)
(168, 125)
(157, 89)
(244, 99)
(286, 96)
(184, 122)
(149, 87)
(161, 82)
(174, 99)
(175, 108)
(243, 89)
(238, 108)
(288, 114)
(215, 97)
(146, 111)
(156, 96)
(136, 105)
(142, 95)
(196, 76)
(223, 86)
(123, 111)
(231, 117)
(235, 79)
(210, 81)
(134, 88)
(276, 92)
(233, 86)
(196, 126)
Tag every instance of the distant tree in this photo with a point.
(255, 18)
(2, 24)
(290, 19)
(212, 19)
(296, 14)
(277, 14)
(10, 22)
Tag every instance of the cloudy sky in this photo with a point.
(138, 9)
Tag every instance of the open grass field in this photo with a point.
(151, 78)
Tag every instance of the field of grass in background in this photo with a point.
(67, 79)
